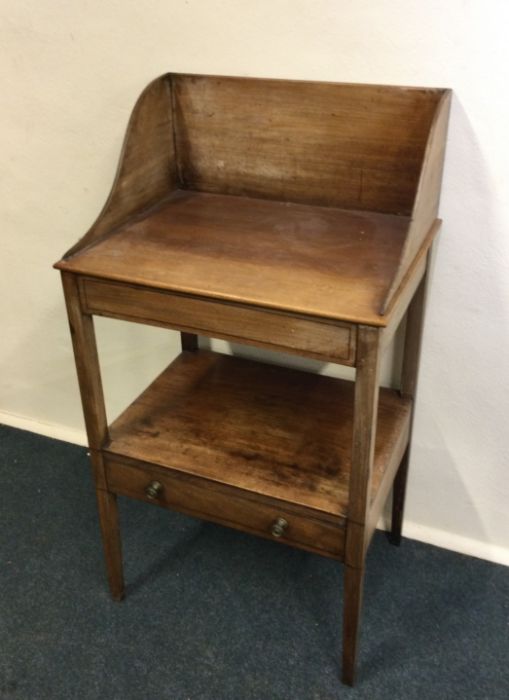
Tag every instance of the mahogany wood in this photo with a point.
(352, 606)
(238, 508)
(147, 170)
(269, 430)
(303, 335)
(189, 341)
(398, 500)
(289, 215)
(409, 375)
(87, 364)
(108, 519)
(379, 498)
(319, 261)
(427, 197)
(365, 413)
(89, 377)
(351, 146)
(365, 431)
(413, 338)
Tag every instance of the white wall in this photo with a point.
(70, 73)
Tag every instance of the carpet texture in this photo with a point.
(213, 614)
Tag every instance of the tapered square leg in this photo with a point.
(409, 375)
(398, 500)
(108, 519)
(363, 446)
(89, 378)
(352, 607)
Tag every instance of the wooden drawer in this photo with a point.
(227, 505)
(327, 340)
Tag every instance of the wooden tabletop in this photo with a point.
(319, 261)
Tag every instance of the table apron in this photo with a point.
(332, 341)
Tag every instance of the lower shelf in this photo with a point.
(244, 443)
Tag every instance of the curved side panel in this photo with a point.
(147, 169)
(423, 225)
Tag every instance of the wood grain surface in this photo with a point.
(147, 168)
(293, 215)
(331, 341)
(343, 145)
(227, 505)
(262, 428)
(319, 261)
(427, 198)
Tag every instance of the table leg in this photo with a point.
(352, 607)
(92, 398)
(398, 500)
(409, 375)
(189, 341)
(108, 519)
(363, 446)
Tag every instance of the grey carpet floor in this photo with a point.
(213, 614)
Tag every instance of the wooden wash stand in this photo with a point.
(295, 216)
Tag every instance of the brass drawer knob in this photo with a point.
(278, 527)
(154, 489)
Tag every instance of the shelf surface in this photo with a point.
(269, 430)
(321, 261)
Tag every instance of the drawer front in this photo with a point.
(225, 505)
(332, 341)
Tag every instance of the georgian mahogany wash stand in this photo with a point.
(295, 216)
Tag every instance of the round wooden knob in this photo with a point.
(154, 489)
(278, 527)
